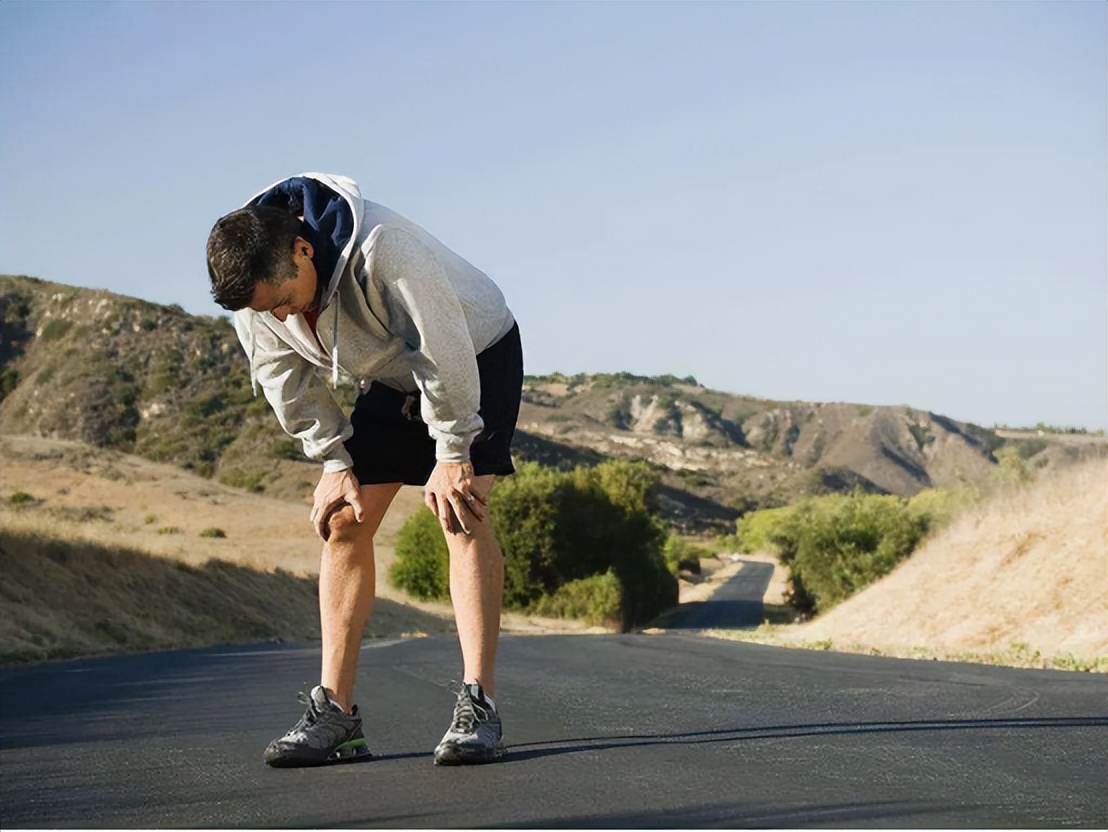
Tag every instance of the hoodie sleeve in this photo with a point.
(297, 393)
(425, 310)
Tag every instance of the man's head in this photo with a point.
(257, 258)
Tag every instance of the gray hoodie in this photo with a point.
(400, 308)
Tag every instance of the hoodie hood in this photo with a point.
(331, 207)
(331, 211)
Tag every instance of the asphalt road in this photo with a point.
(672, 730)
(736, 603)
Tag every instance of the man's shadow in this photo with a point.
(546, 748)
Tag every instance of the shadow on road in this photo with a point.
(528, 751)
(729, 815)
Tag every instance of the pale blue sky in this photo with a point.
(873, 202)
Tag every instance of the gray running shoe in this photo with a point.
(323, 735)
(474, 734)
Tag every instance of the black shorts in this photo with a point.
(391, 442)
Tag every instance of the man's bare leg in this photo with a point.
(347, 588)
(477, 591)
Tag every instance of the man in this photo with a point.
(324, 283)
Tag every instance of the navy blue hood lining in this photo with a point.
(328, 222)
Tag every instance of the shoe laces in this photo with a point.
(314, 712)
(311, 715)
(468, 712)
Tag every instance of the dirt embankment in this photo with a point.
(105, 552)
(1020, 578)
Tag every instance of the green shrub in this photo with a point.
(288, 449)
(9, 380)
(169, 530)
(755, 532)
(55, 329)
(555, 528)
(422, 565)
(937, 507)
(22, 498)
(248, 480)
(837, 544)
(213, 532)
(682, 556)
(596, 600)
(1011, 469)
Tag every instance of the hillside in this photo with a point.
(89, 536)
(136, 377)
(1022, 574)
(743, 453)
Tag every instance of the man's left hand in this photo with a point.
(449, 493)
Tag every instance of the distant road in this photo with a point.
(670, 730)
(734, 603)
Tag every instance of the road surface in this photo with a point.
(670, 730)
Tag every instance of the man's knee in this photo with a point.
(345, 529)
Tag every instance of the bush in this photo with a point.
(555, 529)
(597, 600)
(288, 449)
(213, 532)
(9, 380)
(1011, 470)
(755, 531)
(835, 545)
(56, 328)
(937, 507)
(22, 498)
(682, 556)
(422, 565)
(248, 480)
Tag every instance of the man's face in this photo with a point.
(293, 295)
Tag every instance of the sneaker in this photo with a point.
(323, 735)
(474, 734)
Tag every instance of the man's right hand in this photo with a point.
(333, 492)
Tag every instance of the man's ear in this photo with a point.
(302, 248)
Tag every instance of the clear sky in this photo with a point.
(872, 202)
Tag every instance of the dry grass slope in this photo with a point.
(101, 552)
(1022, 578)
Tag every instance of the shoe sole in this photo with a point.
(349, 752)
(468, 758)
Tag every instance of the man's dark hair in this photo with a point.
(248, 246)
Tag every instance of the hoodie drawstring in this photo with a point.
(335, 348)
(253, 349)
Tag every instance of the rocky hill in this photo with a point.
(743, 453)
(138, 377)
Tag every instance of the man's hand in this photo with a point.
(333, 492)
(449, 494)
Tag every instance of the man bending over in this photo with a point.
(327, 285)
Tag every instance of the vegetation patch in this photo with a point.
(560, 528)
(21, 498)
(834, 545)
